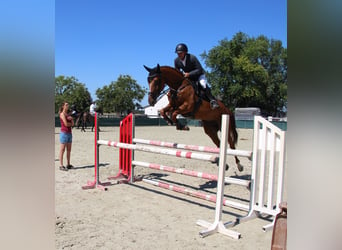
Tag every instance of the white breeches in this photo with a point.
(203, 81)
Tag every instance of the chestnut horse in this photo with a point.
(184, 101)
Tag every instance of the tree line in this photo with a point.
(122, 95)
(243, 72)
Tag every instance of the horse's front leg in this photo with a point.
(174, 115)
(82, 128)
(163, 113)
(179, 125)
(182, 109)
(77, 123)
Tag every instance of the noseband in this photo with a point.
(149, 79)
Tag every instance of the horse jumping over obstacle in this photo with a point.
(267, 179)
(184, 101)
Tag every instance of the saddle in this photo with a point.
(199, 91)
(201, 96)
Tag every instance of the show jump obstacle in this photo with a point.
(267, 178)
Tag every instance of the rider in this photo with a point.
(192, 69)
(92, 109)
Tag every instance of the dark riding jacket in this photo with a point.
(192, 66)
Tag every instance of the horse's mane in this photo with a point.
(172, 68)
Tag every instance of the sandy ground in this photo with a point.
(141, 216)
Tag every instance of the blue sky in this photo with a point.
(96, 41)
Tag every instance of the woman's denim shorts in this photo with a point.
(65, 137)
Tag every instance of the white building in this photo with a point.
(246, 113)
(153, 111)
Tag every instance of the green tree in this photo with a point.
(68, 89)
(121, 95)
(247, 72)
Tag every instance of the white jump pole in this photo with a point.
(166, 151)
(218, 225)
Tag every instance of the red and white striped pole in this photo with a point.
(197, 194)
(188, 172)
(234, 152)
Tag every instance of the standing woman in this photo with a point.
(65, 135)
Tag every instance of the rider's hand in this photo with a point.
(186, 74)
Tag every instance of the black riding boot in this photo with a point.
(213, 102)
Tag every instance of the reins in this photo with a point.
(162, 93)
(172, 90)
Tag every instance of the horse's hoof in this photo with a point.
(240, 167)
(217, 161)
(249, 186)
(186, 128)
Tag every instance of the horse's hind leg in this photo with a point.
(239, 166)
(232, 146)
(211, 129)
(93, 125)
(84, 126)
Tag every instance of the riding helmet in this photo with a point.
(181, 48)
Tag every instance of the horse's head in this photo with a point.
(155, 83)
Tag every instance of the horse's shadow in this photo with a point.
(156, 175)
(242, 177)
(89, 166)
(184, 199)
(208, 185)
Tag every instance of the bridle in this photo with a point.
(156, 97)
(149, 80)
(159, 83)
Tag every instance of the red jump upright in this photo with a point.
(96, 183)
(125, 155)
